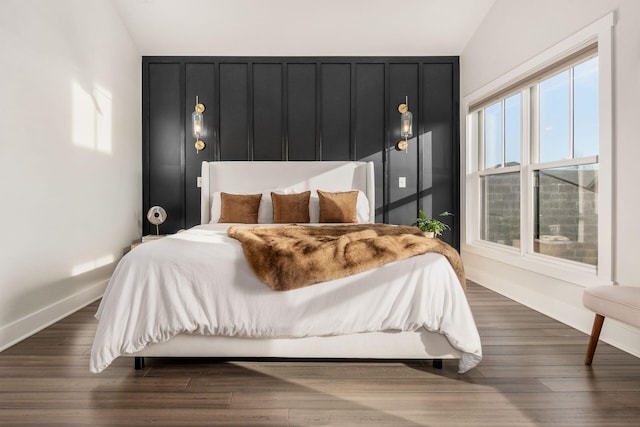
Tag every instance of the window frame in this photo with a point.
(599, 32)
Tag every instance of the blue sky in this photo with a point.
(555, 121)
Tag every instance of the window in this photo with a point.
(565, 197)
(500, 180)
(566, 214)
(538, 187)
(564, 220)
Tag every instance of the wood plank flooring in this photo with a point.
(532, 374)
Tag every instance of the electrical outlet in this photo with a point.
(402, 182)
(199, 182)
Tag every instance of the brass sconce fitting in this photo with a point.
(197, 121)
(406, 125)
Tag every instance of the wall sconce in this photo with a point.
(406, 125)
(198, 124)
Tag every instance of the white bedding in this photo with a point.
(198, 281)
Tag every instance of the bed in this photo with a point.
(192, 294)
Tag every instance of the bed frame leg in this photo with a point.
(139, 362)
(437, 363)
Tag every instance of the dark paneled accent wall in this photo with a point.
(304, 108)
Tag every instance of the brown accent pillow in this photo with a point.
(290, 208)
(338, 207)
(239, 208)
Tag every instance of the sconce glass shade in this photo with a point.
(198, 123)
(406, 124)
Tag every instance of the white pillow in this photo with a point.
(265, 211)
(362, 208)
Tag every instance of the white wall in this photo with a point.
(70, 176)
(306, 28)
(513, 32)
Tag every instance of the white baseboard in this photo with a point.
(23, 328)
(564, 305)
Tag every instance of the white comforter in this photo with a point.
(199, 282)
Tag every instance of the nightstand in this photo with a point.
(148, 238)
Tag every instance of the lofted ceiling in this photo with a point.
(302, 27)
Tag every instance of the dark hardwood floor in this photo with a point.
(532, 374)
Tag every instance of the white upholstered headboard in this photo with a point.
(255, 177)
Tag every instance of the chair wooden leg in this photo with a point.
(595, 336)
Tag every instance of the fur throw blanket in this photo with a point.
(294, 256)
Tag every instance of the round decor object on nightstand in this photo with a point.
(156, 216)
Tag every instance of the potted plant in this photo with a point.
(431, 227)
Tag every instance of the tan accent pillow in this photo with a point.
(290, 208)
(239, 208)
(338, 207)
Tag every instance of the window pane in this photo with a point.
(493, 136)
(554, 118)
(567, 214)
(501, 208)
(512, 120)
(585, 109)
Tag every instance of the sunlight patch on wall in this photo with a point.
(91, 265)
(91, 117)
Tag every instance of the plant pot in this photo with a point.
(429, 234)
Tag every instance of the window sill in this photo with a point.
(557, 268)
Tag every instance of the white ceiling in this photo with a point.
(302, 27)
